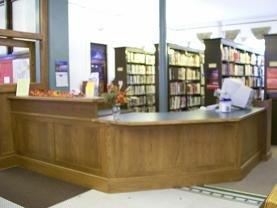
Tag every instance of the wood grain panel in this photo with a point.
(113, 157)
(8, 161)
(139, 151)
(55, 108)
(64, 173)
(78, 145)
(268, 105)
(251, 132)
(34, 138)
(6, 139)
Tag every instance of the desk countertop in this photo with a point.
(167, 118)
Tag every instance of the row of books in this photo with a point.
(194, 101)
(233, 69)
(254, 82)
(181, 102)
(177, 88)
(149, 59)
(253, 70)
(181, 88)
(259, 94)
(145, 109)
(150, 69)
(140, 79)
(177, 73)
(177, 102)
(184, 74)
(142, 100)
(193, 88)
(193, 74)
(140, 58)
(135, 57)
(235, 55)
(140, 69)
(183, 58)
(141, 90)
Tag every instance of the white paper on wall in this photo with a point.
(21, 69)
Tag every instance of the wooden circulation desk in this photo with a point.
(66, 140)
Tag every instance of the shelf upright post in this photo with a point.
(163, 74)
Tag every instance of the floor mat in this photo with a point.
(33, 190)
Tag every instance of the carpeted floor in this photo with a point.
(260, 180)
(32, 190)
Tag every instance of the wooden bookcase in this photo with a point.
(224, 59)
(135, 68)
(185, 84)
(271, 78)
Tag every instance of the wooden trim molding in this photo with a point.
(8, 161)
(18, 34)
(16, 43)
(44, 43)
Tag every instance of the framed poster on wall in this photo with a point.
(98, 58)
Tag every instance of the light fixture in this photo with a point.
(259, 32)
(231, 34)
(202, 36)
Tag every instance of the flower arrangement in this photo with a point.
(115, 96)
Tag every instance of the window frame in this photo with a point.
(9, 36)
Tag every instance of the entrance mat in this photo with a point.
(33, 190)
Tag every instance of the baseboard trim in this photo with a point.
(172, 181)
(250, 164)
(131, 183)
(62, 173)
(268, 155)
(8, 161)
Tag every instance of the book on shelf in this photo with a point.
(138, 73)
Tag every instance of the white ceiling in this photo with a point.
(186, 13)
(209, 11)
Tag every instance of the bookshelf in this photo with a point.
(135, 68)
(185, 84)
(225, 59)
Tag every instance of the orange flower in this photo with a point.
(115, 96)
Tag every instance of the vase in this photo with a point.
(116, 111)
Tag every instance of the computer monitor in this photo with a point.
(241, 95)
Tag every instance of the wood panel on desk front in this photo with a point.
(267, 104)
(71, 143)
(173, 149)
(52, 107)
(6, 139)
(34, 138)
(112, 157)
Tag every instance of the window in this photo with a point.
(19, 63)
(23, 43)
(25, 15)
(3, 21)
